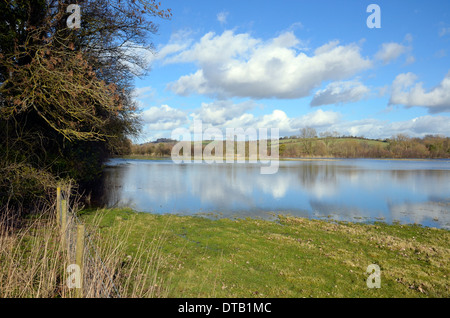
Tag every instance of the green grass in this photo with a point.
(290, 257)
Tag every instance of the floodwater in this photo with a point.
(356, 190)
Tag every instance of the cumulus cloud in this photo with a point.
(421, 126)
(219, 113)
(317, 119)
(374, 128)
(340, 92)
(238, 65)
(163, 118)
(390, 51)
(226, 114)
(212, 49)
(371, 127)
(405, 91)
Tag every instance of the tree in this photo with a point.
(307, 134)
(328, 137)
(282, 149)
(65, 94)
(400, 145)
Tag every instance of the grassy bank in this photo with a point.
(292, 257)
(35, 258)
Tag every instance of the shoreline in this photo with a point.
(144, 157)
(271, 216)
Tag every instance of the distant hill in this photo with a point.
(163, 140)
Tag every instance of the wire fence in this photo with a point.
(96, 277)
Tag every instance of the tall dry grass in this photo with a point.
(134, 276)
(31, 256)
(34, 259)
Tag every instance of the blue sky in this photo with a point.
(288, 64)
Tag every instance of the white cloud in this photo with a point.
(317, 119)
(390, 51)
(212, 49)
(226, 114)
(374, 128)
(222, 17)
(221, 112)
(163, 118)
(178, 42)
(277, 119)
(340, 92)
(421, 126)
(408, 93)
(416, 127)
(333, 121)
(143, 92)
(238, 65)
(188, 83)
(370, 128)
(170, 49)
(296, 25)
(136, 57)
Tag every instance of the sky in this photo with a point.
(290, 64)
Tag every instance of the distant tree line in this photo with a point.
(152, 149)
(309, 144)
(331, 145)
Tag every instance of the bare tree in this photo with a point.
(307, 134)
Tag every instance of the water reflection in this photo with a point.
(352, 190)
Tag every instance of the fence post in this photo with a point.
(63, 220)
(58, 205)
(79, 257)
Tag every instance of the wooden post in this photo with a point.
(79, 257)
(63, 220)
(58, 205)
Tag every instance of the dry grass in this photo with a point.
(34, 260)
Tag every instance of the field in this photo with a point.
(289, 257)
